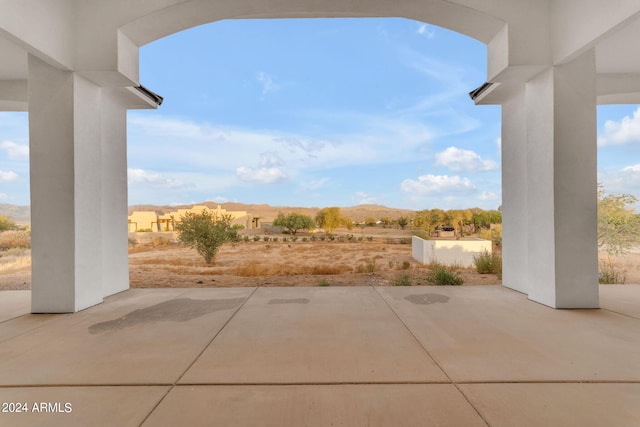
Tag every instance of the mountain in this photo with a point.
(356, 213)
(20, 214)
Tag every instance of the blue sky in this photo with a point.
(320, 112)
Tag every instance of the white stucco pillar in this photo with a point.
(115, 261)
(514, 191)
(65, 133)
(561, 175)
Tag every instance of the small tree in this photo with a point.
(618, 225)
(370, 221)
(7, 223)
(206, 232)
(294, 222)
(329, 219)
(347, 222)
(386, 221)
(403, 221)
(484, 219)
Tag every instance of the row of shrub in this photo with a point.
(314, 238)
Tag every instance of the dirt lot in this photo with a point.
(380, 257)
(297, 263)
(376, 258)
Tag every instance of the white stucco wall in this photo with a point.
(448, 252)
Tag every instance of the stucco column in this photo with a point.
(514, 191)
(65, 138)
(561, 175)
(115, 261)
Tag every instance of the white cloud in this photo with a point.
(314, 184)
(268, 85)
(141, 176)
(261, 175)
(488, 196)
(270, 159)
(15, 151)
(362, 198)
(4, 196)
(444, 72)
(622, 181)
(268, 172)
(7, 176)
(499, 144)
(437, 184)
(427, 31)
(220, 199)
(459, 160)
(157, 141)
(625, 131)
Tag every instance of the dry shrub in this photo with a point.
(15, 239)
(15, 260)
(160, 241)
(611, 273)
(366, 267)
(249, 269)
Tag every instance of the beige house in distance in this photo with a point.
(157, 221)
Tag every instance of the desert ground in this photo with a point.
(341, 262)
(374, 256)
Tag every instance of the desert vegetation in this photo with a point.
(380, 259)
(328, 248)
(206, 232)
(15, 253)
(618, 234)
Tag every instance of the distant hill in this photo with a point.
(20, 214)
(356, 213)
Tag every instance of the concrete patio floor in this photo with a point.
(339, 356)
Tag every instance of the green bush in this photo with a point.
(483, 262)
(403, 280)
(294, 222)
(441, 275)
(7, 223)
(488, 263)
(324, 283)
(206, 232)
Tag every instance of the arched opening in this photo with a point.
(305, 114)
